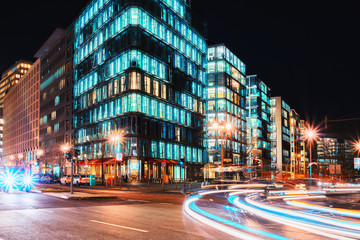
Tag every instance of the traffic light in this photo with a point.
(77, 153)
(68, 155)
(182, 162)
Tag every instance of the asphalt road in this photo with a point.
(37, 216)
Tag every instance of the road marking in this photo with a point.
(114, 225)
(165, 203)
(44, 210)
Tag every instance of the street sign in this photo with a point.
(357, 163)
(163, 164)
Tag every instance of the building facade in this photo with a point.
(21, 119)
(258, 123)
(226, 105)
(280, 135)
(140, 70)
(8, 79)
(12, 76)
(297, 166)
(56, 88)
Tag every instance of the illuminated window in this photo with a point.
(116, 86)
(163, 91)
(62, 84)
(48, 130)
(147, 85)
(53, 115)
(221, 92)
(57, 100)
(156, 88)
(123, 84)
(56, 127)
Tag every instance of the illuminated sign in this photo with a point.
(357, 163)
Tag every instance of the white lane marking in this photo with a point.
(44, 210)
(114, 225)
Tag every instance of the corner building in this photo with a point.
(21, 119)
(140, 69)
(226, 104)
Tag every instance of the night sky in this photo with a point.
(306, 51)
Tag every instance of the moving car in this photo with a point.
(15, 178)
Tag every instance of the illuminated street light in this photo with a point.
(40, 153)
(228, 126)
(310, 134)
(12, 157)
(65, 148)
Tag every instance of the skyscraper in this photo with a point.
(226, 105)
(140, 70)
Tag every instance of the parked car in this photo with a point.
(78, 180)
(65, 180)
(49, 179)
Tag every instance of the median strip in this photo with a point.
(124, 227)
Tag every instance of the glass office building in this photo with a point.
(258, 123)
(226, 104)
(140, 69)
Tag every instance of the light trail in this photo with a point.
(192, 210)
(286, 221)
(337, 211)
(329, 221)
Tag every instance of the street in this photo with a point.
(37, 216)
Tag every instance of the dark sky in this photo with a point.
(306, 51)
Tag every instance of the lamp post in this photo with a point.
(115, 139)
(310, 135)
(223, 128)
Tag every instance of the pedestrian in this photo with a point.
(126, 178)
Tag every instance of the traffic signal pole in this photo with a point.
(72, 177)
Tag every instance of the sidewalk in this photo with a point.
(78, 195)
(131, 187)
(145, 187)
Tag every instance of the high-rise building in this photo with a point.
(56, 89)
(8, 79)
(140, 70)
(258, 123)
(12, 76)
(280, 135)
(226, 105)
(296, 166)
(21, 119)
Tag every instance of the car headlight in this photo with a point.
(28, 180)
(9, 180)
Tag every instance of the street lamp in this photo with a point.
(310, 135)
(224, 128)
(115, 139)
